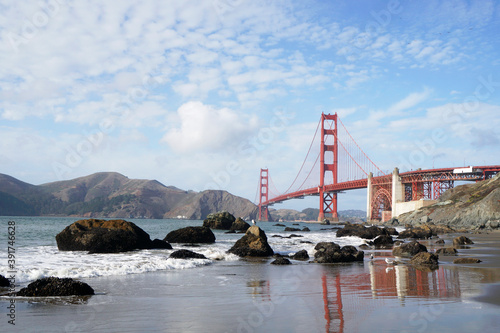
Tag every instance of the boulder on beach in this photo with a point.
(160, 244)
(253, 243)
(281, 261)
(103, 236)
(447, 251)
(4, 282)
(422, 232)
(462, 240)
(329, 252)
(301, 255)
(361, 231)
(54, 286)
(191, 235)
(186, 254)
(408, 249)
(466, 261)
(239, 225)
(440, 241)
(425, 260)
(383, 242)
(220, 220)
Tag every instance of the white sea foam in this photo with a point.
(33, 262)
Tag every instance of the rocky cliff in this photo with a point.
(110, 194)
(471, 206)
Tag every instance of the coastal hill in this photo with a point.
(110, 194)
(311, 214)
(470, 206)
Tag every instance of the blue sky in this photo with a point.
(202, 94)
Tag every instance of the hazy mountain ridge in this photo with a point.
(110, 194)
(311, 214)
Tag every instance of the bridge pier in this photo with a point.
(369, 197)
(398, 192)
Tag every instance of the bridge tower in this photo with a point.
(329, 143)
(264, 194)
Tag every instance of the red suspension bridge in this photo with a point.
(342, 165)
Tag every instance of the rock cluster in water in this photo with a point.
(54, 286)
(105, 236)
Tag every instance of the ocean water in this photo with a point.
(145, 291)
(37, 255)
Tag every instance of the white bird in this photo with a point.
(391, 261)
(371, 256)
(253, 222)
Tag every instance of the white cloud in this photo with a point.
(203, 127)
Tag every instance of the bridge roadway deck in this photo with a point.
(429, 175)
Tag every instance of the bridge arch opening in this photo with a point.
(382, 201)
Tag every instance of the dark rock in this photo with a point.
(53, 286)
(383, 242)
(301, 255)
(462, 240)
(306, 229)
(425, 259)
(253, 243)
(186, 254)
(364, 247)
(361, 231)
(160, 244)
(281, 261)
(239, 225)
(417, 233)
(102, 236)
(4, 282)
(398, 243)
(279, 225)
(191, 235)
(220, 220)
(447, 251)
(325, 222)
(440, 241)
(329, 252)
(295, 224)
(291, 229)
(294, 236)
(408, 249)
(392, 231)
(466, 261)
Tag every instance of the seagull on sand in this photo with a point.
(391, 261)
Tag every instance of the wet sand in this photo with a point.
(254, 296)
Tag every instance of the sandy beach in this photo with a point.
(254, 296)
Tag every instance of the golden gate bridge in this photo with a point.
(342, 165)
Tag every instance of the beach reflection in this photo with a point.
(347, 294)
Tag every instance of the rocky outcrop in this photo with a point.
(191, 235)
(471, 206)
(239, 225)
(186, 254)
(421, 232)
(466, 261)
(361, 231)
(4, 282)
(160, 244)
(219, 220)
(408, 249)
(281, 261)
(425, 260)
(383, 242)
(462, 240)
(103, 236)
(253, 243)
(301, 255)
(447, 251)
(53, 286)
(329, 252)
